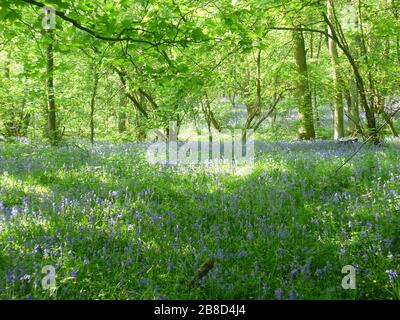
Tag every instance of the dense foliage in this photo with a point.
(120, 68)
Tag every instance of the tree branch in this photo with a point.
(93, 33)
(128, 94)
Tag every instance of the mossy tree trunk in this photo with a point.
(306, 130)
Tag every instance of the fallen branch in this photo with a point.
(202, 271)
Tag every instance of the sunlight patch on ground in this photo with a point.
(10, 182)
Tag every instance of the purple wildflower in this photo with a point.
(278, 294)
(114, 193)
(294, 273)
(293, 295)
(14, 212)
(393, 274)
(74, 273)
(320, 272)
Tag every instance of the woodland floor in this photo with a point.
(114, 226)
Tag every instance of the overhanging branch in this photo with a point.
(93, 33)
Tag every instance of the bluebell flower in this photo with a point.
(294, 273)
(350, 224)
(170, 266)
(320, 272)
(306, 269)
(242, 253)
(392, 274)
(114, 193)
(293, 295)
(14, 212)
(278, 294)
(144, 281)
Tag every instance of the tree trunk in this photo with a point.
(122, 116)
(306, 130)
(353, 109)
(122, 122)
(130, 95)
(140, 129)
(369, 111)
(338, 100)
(396, 10)
(93, 102)
(51, 103)
(352, 94)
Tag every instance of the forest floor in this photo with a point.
(115, 227)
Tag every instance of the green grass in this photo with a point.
(115, 227)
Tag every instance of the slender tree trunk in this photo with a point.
(306, 130)
(396, 10)
(131, 95)
(398, 47)
(338, 100)
(369, 111)
(258, 82)
(353, 108)
(93, 102)
(51, 102)
(314, 92)
(140, 118)
(386, 117)
(122, 118)
(122, 122)
(8, 116)
(315, 107)
(377, 101)
(25, 118)
(389, 121)
(210, 120)
(210, 138)
(352, 94)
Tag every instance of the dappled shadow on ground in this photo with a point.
(134, 230)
